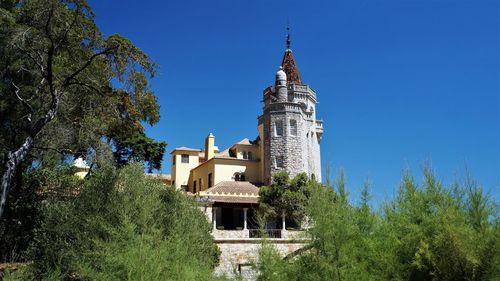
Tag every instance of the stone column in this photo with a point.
(283, 231)
(214, 217)
(283, 221)
(245, 218)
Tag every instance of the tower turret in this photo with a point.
(290, 132)
(280, 85)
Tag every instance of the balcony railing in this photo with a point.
(265, 233)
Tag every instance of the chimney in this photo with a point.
(209, 147)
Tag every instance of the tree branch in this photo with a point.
(65, 35)
(59, 150)
(78, 83)
(85, 65)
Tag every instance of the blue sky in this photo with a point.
(399, 82)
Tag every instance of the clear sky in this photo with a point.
(399, 82)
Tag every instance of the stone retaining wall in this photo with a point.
(238, 255)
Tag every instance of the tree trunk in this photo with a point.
(13, 161)
(14, 158)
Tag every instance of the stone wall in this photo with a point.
(301, 153)
(238, 255)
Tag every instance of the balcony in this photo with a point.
(235, 224)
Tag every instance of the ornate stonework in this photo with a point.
(291, 132)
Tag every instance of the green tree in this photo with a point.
(285, 196)
(428, 232)
(123, 226)
(64, 87)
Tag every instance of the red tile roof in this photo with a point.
(233, 192)
(290, 67)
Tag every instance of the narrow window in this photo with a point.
(185, 158)
(278, 126)
(280, 162)
(194, 186)
(200, 183)
(250, 155)
(293, 127)
(245, 155)
(210, 180)
(173, 160)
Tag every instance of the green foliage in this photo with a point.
(428, 232)
(123, 226)
(21, 216)
(55, 59)
(285, 196)
(438, 233)
(75, 92)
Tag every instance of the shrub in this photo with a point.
(124, 226)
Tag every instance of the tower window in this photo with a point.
(250, 155)
(185, 158)
(245, 155)
(209, 180)
(293, 127)
(173, 160)
(280, 162)
(278, 127)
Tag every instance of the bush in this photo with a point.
(428, 232)
(123, 226)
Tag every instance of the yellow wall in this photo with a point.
(181, 171)
(201, 172)
(223, 169)
(81, 172)
(226, 168)
(245, 147)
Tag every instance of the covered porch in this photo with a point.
(240, 221)
(232, 211)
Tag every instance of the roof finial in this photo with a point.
(288, 41)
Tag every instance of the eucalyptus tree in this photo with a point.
(65, 88)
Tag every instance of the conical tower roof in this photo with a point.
(288, 63)
(290, 67)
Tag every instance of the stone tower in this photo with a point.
(289, 130)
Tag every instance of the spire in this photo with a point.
(288, 41)
(288, 63)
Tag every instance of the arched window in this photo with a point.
(239, 177)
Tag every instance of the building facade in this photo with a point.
(289, 140)
(226, 183)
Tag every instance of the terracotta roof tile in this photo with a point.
(233, 188)
(290, 67)
(232, 192)
(234, 199)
